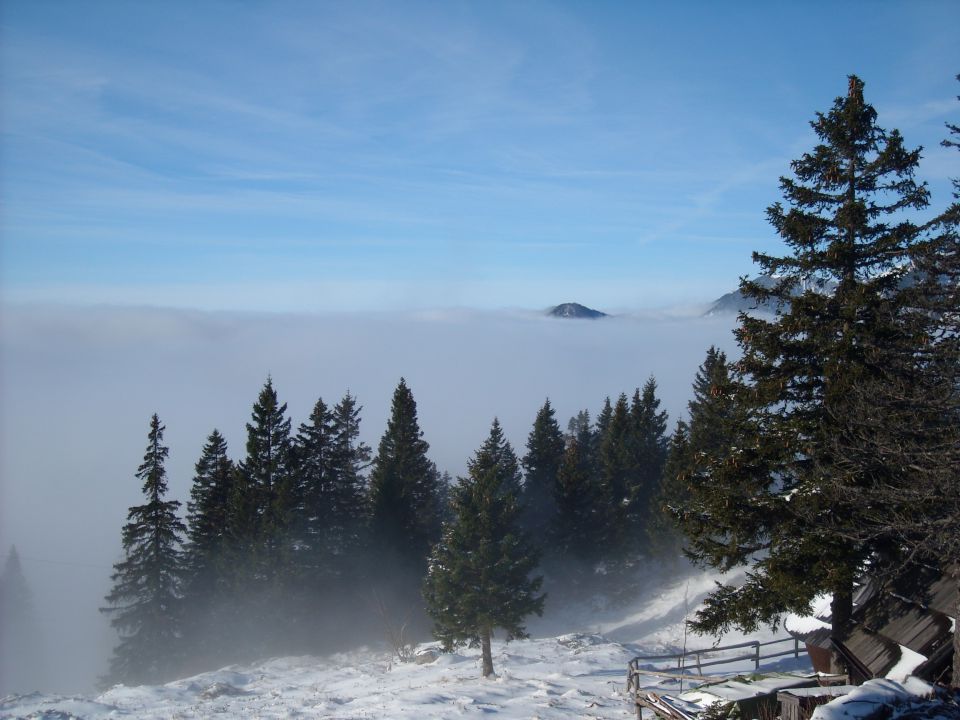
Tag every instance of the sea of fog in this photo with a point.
(79, 386)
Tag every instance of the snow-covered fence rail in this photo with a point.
(707, 657)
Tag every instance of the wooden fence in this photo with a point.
(706, 658)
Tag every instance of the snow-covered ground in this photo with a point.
(578, 674)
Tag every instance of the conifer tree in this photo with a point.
(649, 447)
(496, 450)
(579, 427)
(404, 492)
(264, 519)
(145, 599)
(616, 468)
(21, 656)
(578, 530)
(208, 513)
(901, 434)
(707, 408)
(541, 464)
(600, 427)
(704, 439)
(312, 460)
(673, 494)
(479, 573)
(205, 556)
(846, 225)
(267, 471)
(349, 459)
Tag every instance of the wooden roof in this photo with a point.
(914, 612)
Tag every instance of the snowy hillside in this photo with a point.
(569, 676)
(564, 675)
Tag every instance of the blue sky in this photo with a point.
(363, 155)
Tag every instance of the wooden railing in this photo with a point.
(706, 658)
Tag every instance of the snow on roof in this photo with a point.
(908, 662)
(743, 688)
(864, 701)
(817, 619)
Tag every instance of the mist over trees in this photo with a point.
(828, 445)
(21, 643)
(312, 543)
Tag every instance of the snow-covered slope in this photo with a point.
(572, 675)
(569, 676)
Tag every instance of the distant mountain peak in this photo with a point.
(575, 310)
(736, 302)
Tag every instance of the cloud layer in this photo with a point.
(79, 386)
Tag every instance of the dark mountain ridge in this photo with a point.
(575, 310)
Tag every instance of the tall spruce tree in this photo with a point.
(583, 504)
(21, 655)
(901, 431)
(846, 225)
(145, 599)
(349, 459)
(479, 573)
(708, 408)
(404, 493)
(705, 438)
(205, 555)
(312, 460)
(648, 445)
(616, 470)
(578, 530)
(267, 469)
(673, 492)
(541, 464)
(262, 546)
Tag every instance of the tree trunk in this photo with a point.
(955, 677)
(485, 652)
(841, 612)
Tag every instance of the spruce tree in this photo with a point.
(145, 599)
(267, 471)
(541, 464)
(312, 460)
(208, 511)
(21, 655)
(649, 447)
(404, 499)
(616, 469)
(704, 438)
(901, 434)
(600, 427)
(708, 408)
(847, 228)
(673, 493)
(206, 555)
(479, 573)
(349, 459)
(264, 519)
(578, 528)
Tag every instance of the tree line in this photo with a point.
(312, 536)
